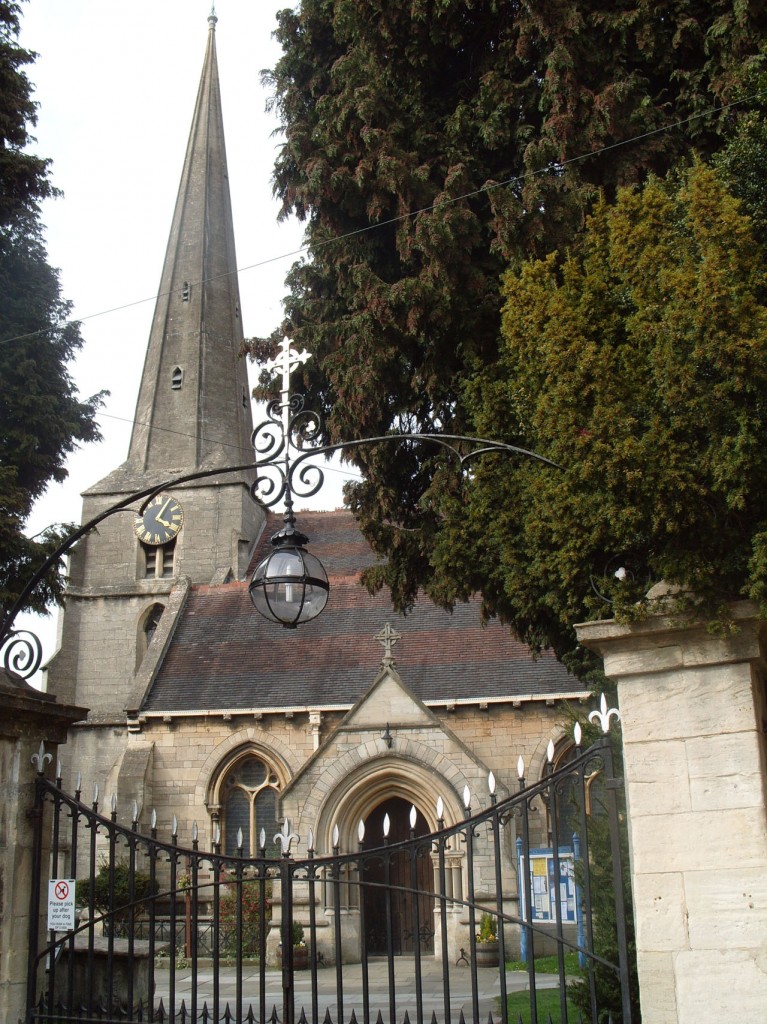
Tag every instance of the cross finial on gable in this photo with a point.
(387, 638)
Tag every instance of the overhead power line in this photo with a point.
(518, 179)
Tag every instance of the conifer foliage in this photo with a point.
(460, 130)
(41, 417)
(639, 364)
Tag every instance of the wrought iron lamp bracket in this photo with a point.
(283, 444)
(290, 427)
(303, 479)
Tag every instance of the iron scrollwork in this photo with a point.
(291, 427)
(22, 653)
(282, 446)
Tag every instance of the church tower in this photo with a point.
(193, 414)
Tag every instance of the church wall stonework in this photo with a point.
(343, 780)
(102, 644)
(190, 749)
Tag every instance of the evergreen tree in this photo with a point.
(639, 364)
(743, 161)
(41, 417)
(456, 127)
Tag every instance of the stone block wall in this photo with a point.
(693, 720)
(28, 719)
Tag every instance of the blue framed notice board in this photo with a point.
(544, 890)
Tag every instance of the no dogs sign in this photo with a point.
(61, 904)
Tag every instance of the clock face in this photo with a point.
(161, 521)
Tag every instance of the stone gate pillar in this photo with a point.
(693, 716)
(28, 717)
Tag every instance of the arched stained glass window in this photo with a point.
(249, 799)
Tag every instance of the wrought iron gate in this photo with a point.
(173, 933)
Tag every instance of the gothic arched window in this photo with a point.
(151, 621)
(249, 802)
(146, 629)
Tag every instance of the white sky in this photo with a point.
(116, 83)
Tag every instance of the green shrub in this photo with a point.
(95, 894)
(246, 893)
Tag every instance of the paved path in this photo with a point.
(488, 990)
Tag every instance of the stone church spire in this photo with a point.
(193, 413)
(193, 409)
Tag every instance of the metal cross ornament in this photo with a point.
(286, 362)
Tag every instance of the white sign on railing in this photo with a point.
(61, 904)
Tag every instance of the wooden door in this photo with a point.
(400, 896)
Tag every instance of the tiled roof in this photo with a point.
(223, 655)
(334, 538)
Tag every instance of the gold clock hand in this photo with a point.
(159, 519)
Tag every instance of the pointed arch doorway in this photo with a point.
(400, 895)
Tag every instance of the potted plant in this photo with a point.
(487, 942)
(300, 949)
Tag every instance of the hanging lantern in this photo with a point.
(290, 585)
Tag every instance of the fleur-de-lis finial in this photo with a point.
(603, 715)
(285, 837)
(41, 758)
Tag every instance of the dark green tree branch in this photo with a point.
(41, 417)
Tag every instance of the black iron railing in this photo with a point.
(175, 933)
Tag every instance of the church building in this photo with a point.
(205, 712)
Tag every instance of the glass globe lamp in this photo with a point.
(290, 585)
